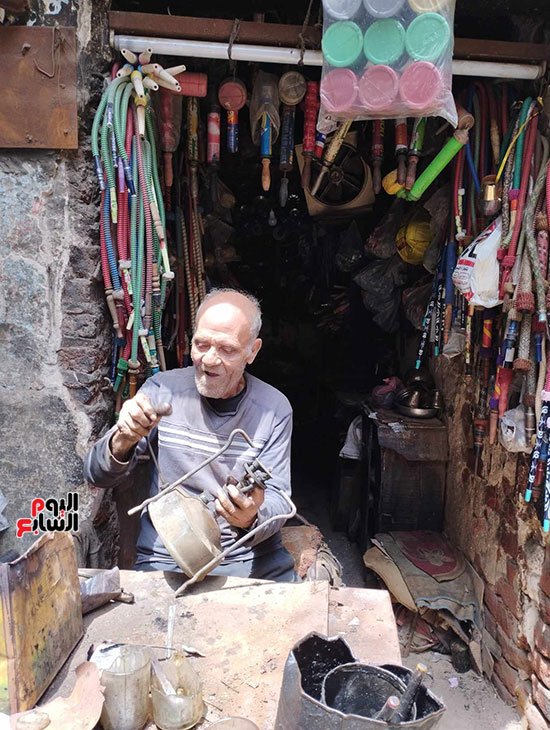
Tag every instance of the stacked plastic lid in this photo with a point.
(388, 58)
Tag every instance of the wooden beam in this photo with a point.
(504, 51)
(211, 29)
(277, 34)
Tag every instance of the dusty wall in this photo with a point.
(487, 517)
(52, 322)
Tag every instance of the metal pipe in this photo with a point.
(168, 488)
(274, 54)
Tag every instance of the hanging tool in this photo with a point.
(232, 97)
(310, 120)
(415, 148)
(330, 154)
(377, 153)
(401, 149)
(292, 89)
(213, 134)
(266, 150)
(486, 354)
(442, 159)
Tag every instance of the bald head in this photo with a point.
(231, 303)
(225, 341)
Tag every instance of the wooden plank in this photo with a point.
(39, 108)
(364, 618)
(210, 29)
(219, 30)
(245, 628)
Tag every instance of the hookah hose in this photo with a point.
(524, 166)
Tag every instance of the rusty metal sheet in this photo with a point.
(38, 108)
(40, 619)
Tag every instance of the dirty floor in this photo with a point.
(471, 700)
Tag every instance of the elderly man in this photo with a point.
(209, 400)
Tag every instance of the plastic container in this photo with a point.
(420, 85)
(232, 94)
(383, 8)
(378, 88)
(396, 34)
(341, 9)
(385, 41)
(185, 708)
(427, 37)
(292, 88)
(126, 684)
(343, 43)
(339, 89)
(192, 83)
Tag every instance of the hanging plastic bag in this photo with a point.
(265, 99)
(354, 439)
(381, 282)
(476, 274)
(512, 431)
(387, 59)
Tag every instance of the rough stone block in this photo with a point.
(508, 540)
(541, 695)
(545, 575)
(507, 675)
(534, 718)
(490, 623)
(542, 638)
(544, 607)
(541, 667)
(515, 656)
(502, 692)
(510, 596)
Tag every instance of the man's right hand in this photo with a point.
(137, 419)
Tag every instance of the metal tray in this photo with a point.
(416, 412)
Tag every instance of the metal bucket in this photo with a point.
(188, 530)
(301, 702)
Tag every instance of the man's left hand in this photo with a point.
(241, 509)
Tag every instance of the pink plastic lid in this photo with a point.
(378, 87)
(420, 84)
(339, 89)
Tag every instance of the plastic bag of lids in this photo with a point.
(477, 272)
(512, 431)
(387, 58)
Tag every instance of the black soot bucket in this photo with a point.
(325, 688)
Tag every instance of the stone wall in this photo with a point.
(52, 318)
(487, 517)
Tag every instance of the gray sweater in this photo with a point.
(193, 432)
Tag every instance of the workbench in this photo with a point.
(245, 628)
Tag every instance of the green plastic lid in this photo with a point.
(427, 37)
(342, 43)
(385, 41)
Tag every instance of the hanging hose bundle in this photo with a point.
(134, 256)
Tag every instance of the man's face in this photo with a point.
(221, 349)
